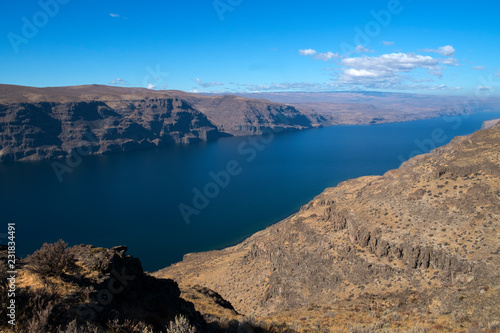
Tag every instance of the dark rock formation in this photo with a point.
(51, 130)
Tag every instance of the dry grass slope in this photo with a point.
(415, 249)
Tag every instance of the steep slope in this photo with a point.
(490, 123)
(246, 116)
(84, 289)
(97, 290)
(420, 242)
(44, 123)
(52, 122)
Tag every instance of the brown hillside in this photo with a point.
(416, 247)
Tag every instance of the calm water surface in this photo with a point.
(133, 198)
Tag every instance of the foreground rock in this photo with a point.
(416, 247)
(89, 289)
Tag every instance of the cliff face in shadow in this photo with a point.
(45, 123)
(418, 246)
(51, 130)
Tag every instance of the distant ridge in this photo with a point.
(371, 107)
(47, 123)
(54, 122)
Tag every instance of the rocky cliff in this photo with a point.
(246, 116)
(416, 247)
(45, 123)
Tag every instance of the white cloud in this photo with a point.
(392, 62)
(326, 56)
(207, 84)
(360, 72)
(362, 49)
(498, 74)
(438, 87)
(319, 56)
(386, 43)
(390, 70)
(307, 52)
(449, 61)
(114, 15)
(446, 50)
(485, 88)
(478, 68)
(119, 82)
(151, 86)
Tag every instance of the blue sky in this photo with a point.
(436, 47)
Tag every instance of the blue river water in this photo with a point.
(167, 202)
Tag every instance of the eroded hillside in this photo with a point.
(416, 247)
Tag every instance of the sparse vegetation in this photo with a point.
(39, 322)
(180, 325)
(74, 290)
(128, 326)
(51, 260)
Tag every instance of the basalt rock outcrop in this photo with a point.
(50, 130)
(244, 116)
